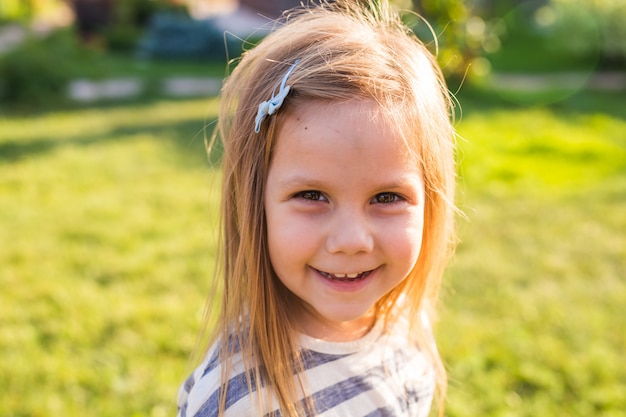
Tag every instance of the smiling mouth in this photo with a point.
(352, 277)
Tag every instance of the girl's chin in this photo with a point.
(338, 326)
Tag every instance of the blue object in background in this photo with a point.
(173, 36)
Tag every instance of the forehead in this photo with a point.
(348, 125)
(347, 139)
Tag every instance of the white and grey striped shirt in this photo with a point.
(378, 375)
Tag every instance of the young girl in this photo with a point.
(337, 221)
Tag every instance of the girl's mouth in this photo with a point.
(348, 277)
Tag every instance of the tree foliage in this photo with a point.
(461, 33)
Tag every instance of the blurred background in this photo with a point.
(108, 201)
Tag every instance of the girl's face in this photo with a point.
(345, 212)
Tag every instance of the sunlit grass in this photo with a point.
(532, 321)
(108, 220)
(108, 238)
(536, 152)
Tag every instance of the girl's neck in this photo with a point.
(336, 331)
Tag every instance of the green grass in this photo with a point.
(532, 322)
(107, 244)
(108, 226)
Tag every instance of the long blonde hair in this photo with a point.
(346, 49)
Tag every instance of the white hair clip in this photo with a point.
(270, 106)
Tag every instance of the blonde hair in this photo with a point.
(346, 50)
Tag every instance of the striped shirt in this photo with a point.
(379, 375)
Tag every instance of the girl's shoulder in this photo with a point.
(201, 386)
(199, 395)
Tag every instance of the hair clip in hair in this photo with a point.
(270, 106)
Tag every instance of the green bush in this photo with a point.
(36, 73)
(15, 10)
(589, 27)
(460, 33)
(534, 38)
(122, 38)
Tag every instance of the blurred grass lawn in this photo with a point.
(108, 230)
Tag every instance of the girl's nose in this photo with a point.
(350, 233)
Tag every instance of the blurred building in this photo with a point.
(91, 16)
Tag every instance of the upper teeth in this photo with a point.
(347, 275)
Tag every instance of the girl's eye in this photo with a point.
(386, 198)
(311, 195)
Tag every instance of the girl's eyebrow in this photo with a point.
(298, 181)
(301, 181)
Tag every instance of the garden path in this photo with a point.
(596, 81)
(84, 90)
